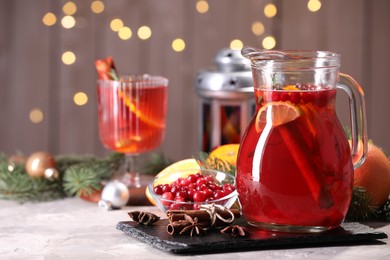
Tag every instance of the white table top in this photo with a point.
(76, 229)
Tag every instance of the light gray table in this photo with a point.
(76, 229)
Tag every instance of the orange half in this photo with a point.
(277, 113)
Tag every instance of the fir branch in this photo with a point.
(360, 208)
(206, 161)
(18, 185)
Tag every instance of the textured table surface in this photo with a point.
(76, 229)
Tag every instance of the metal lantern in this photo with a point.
(226, 99)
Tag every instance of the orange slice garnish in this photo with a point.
(276, 113)
(138, 113)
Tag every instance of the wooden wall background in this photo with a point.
(33, 76)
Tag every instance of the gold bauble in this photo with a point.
(38, 162)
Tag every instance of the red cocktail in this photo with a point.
(132, 115)
(295, 166)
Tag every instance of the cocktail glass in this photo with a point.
(132, 116)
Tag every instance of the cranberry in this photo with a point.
(295, 97)
(228, 187)
(275, 96)
(166, 188)
(284, 96)
(199, 196)
(201, 181)
(185, 182)
(167, 196)
(181, 194)
(158, 190)
(219, 194)
(192, 178)
(307, 97)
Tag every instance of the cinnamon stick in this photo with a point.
(303, 158)
(203, 216)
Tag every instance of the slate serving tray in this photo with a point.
(214, 242)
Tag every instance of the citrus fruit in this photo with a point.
(374, 175)
(177, 167)
(276, 112)
(226, 152)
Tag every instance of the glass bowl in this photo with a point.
(189, 189)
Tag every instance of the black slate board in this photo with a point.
(214, 242)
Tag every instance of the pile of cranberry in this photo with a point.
(182, 193)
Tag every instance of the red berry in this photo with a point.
(275, 96)
(295, 97)
(158, 190)
(284, 96)
(192, 178)
(199, 196)
(219, 194)
(166, 188)
(307, 97)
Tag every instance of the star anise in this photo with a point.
(144, 218)
(235, 230)
(194, 226)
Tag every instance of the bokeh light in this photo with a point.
(80, 98)
(236, 44)
(269, 43)
(125, 33)
(178, 45)
(68, 58)
(202, 6)
(97, 7)
(36, 115)
(258, 28)
(49, 19)
(314, 5)
(69, 8)
(116, 24)
(144, 32)
(68, 22)
(270, 10)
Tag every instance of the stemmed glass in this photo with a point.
(132, 115)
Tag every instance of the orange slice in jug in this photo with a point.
(276, 113)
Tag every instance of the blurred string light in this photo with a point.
(144, 32)
(314, 5)
(36, 115)
(116, 24)
(125, 33)
(258, 28)
(269, 42)
(80, 98)
(97, 7)
(68, 58)
(69, 8)
(270, 10)
(178, 45)
(68, 22)
(49, 19)
(202, 6)
(236, 44)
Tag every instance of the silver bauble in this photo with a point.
(114, 195)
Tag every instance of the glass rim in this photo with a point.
(137, 79)
(291, 59)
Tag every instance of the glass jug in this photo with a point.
(295, 164)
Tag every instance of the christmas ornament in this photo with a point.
(39, 162)
(13, 160)
(114, 195)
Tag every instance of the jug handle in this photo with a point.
(358, 121)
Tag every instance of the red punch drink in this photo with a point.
(294, 166)
(131, 119)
